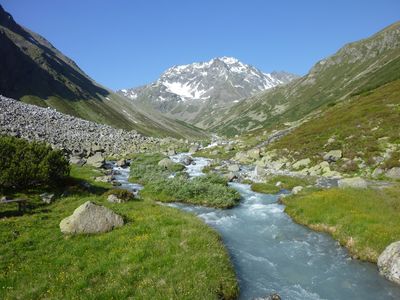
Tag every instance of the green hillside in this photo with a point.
(355, 68)
(361, 126)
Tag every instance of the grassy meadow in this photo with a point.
(160, 253)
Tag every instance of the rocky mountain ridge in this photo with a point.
(76, 136)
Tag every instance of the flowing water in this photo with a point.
(272, 254)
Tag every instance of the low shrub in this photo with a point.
(121, 193)
(26, 164)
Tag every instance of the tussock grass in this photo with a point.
(365, 221)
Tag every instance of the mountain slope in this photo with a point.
(33, 71)
(355, 68)
(191, 92)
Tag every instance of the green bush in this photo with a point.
(211, 190)
(26, 164)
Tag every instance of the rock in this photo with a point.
(171, 152)
(377, 172)
(333, 155)
(389, 262)
(254, 153)
(215, 152)
(270, 297)
(355, 182)
(301, 163)
(231, 176)
(166, 163)
(234, 168)
(122, 163)
(47, 197)
(97, 160)
(259, 171)
(186, 160)
(77, 160)
(105, 178)
(114, 199)
(97, 148)
(297, 189)
(393, 173)
(193, 149)
(229, 147)
(91, 218)
(242, 157)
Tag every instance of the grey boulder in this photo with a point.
(389, 262)
(91, 218)
(166, 163)
(97, 160)
(393, 173)
(233, 168)
(333, 155)
(355, 182)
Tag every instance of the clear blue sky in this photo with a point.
(124, 43)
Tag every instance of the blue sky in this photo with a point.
(124, 43)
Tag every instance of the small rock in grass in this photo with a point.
(47, 197)
(297, 189)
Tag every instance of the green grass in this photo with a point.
(218, 152)
(287, 183)
(161, 253)
(365, 221)
(265, 188)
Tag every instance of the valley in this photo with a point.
(215, 181)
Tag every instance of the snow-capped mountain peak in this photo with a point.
(219, 81)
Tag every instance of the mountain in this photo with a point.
(356, 68)
(192, 92)
(34, 71)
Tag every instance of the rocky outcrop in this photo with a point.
(97, 160)
(91, 218)
(355, 182)
(333, 155)
(234, 168)
(80, 138)
(166, 163)
(393, 173)
(389, 262)
(301, 163)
